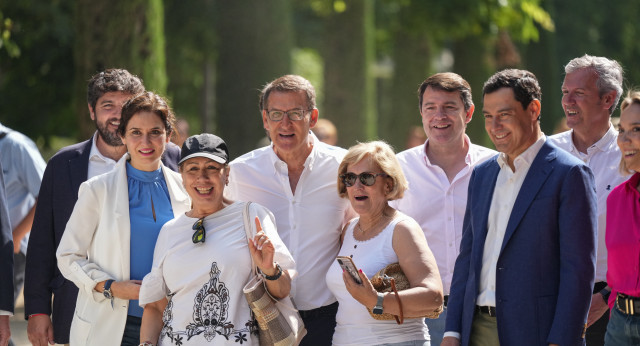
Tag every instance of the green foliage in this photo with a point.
(6, 25)
(191, 47)
(36, 84)
(308, 63)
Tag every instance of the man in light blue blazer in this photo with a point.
(527, 259)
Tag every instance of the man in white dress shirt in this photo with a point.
(296, 178)
(438, 172)
(590, 93)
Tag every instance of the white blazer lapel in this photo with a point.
(121, 214)
(180, 201)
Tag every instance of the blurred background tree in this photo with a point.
(366, 58)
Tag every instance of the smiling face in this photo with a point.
(204, 180)
(368, 200)
(511, 128)
(629, 136)
(107, 114)
(145, 138)
(290, 138)
(443, 116)
(581, 101)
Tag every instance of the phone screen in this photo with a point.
(346, 263)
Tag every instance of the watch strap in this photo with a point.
(605, 294)
(107, 291)
(378, 308)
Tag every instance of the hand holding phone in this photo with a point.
(346, 263)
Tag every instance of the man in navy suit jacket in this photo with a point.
(527, 258)
(6, 266)
(66, 170)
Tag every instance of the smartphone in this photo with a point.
(346, 263)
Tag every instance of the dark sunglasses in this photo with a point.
(366, 178)
(200, 233)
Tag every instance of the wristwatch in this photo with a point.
(107, 289)
(605, 294)
(378, 308)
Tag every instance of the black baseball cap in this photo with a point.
(205, 145)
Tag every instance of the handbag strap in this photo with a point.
(248, 232)
(400, 318)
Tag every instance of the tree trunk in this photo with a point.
(412, 60)
(472, 60)
(350, 86)
(117, 34)
(255, 48)
(541, 58)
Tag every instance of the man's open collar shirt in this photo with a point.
(603, 158)
(437, 204)
(309, 221)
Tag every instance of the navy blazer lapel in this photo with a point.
(538, 173)
(485, 184)
(79, 166)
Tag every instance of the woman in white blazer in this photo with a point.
(107, 246)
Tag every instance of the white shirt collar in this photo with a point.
(95, 153)
(308, 163)
(526, 158)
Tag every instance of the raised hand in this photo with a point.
(262, 251)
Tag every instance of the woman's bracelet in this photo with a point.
(275, 276)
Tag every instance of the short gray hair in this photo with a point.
(609, 73)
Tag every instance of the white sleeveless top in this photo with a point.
(354, 324)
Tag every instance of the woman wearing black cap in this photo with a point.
(193, 295)
(107, 246)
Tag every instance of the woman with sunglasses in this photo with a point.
(370, 176)
(107, 246)
(623, 233)
(202, 260)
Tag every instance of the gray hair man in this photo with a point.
(591, 90)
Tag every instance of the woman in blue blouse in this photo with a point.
(107, 247)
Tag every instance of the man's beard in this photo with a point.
(111, 138)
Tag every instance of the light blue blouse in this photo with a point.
(149, 209)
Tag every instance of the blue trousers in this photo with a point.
(622, 329)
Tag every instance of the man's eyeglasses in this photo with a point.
(200, 233)
(366, 178)
(294, 114)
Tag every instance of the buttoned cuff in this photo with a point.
(453, 334)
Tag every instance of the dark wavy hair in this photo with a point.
(111, 80)
(147, 102)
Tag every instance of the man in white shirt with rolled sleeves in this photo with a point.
(591, 90)
(296, 178)
(438, 173)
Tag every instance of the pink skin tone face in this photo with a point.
(204, 180)
(107, 114)
(368, 200)
(289, 137)
(583, 106)
(511, 128)
(629, 136)
(145, 138)
(443, 116)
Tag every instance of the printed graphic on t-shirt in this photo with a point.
(210, 315)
